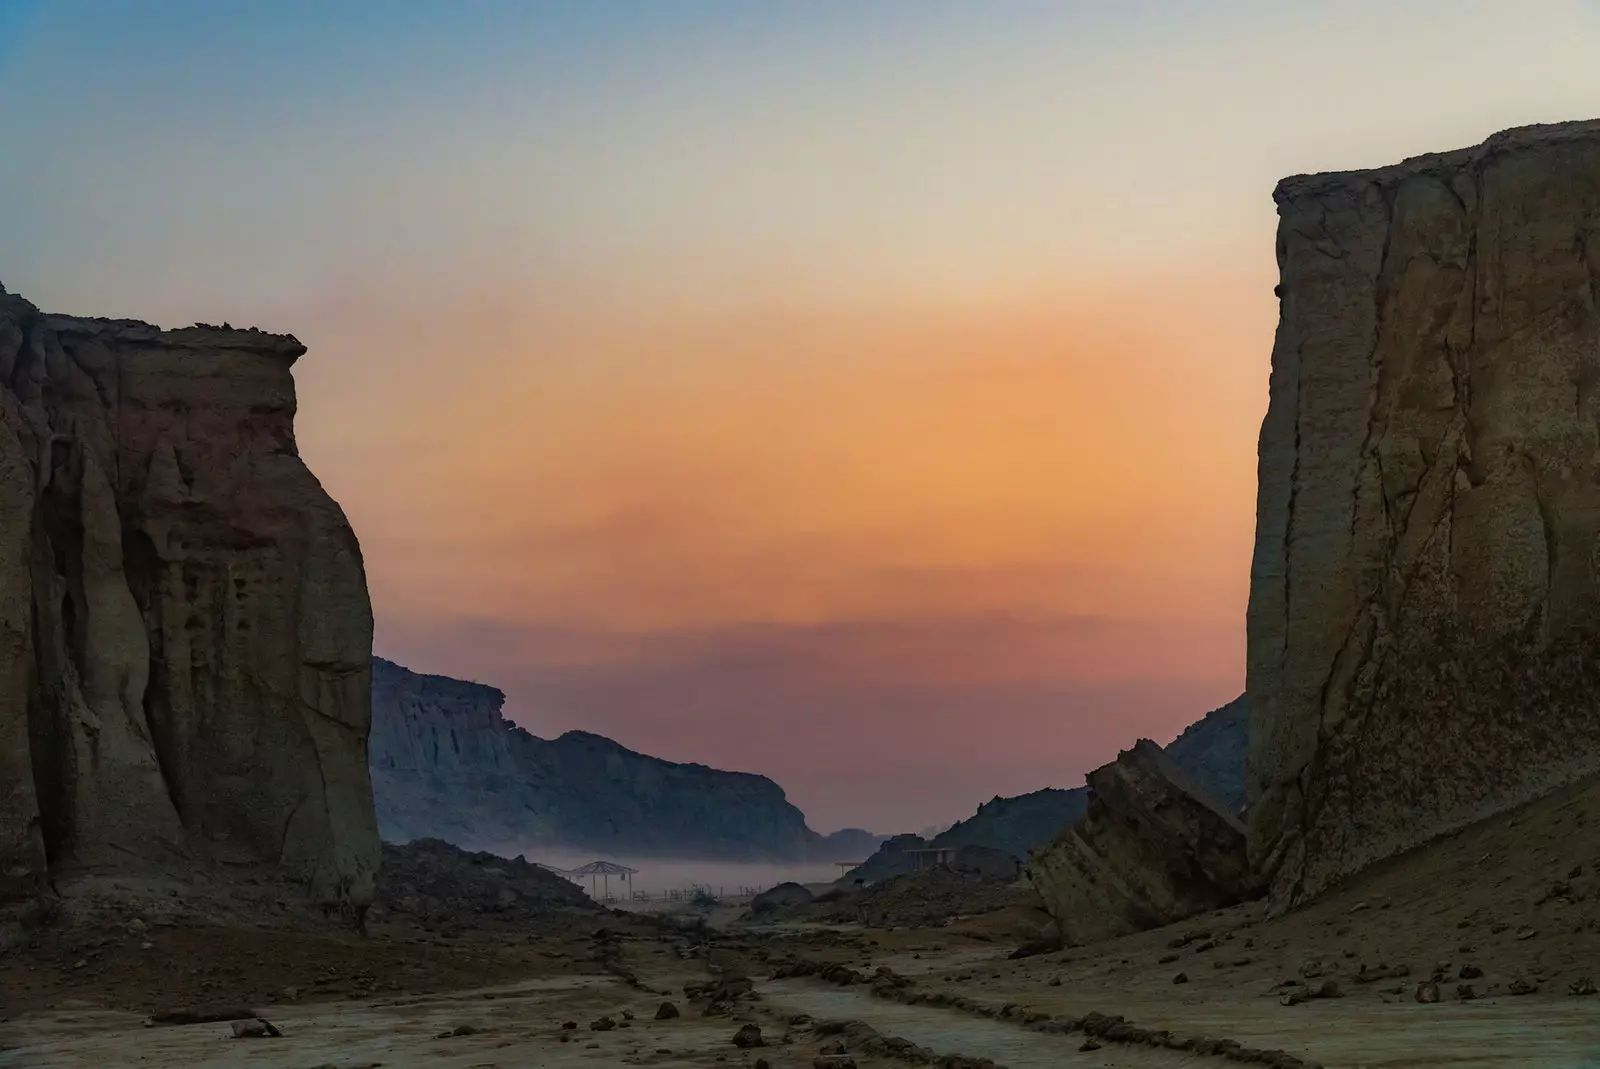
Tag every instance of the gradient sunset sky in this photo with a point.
(860, 393)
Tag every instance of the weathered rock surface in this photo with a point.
(1424, 623)
(1153, 848)
(447, 764)
(185, 631)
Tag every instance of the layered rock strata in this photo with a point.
(185, 631)
(1152, 848)
(1424, 621)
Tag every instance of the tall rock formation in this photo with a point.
(446, 764)
(185, 631)
(1424, 622)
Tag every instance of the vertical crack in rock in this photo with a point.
(185, 631)
(1427, 466)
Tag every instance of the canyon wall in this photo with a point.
(1424, 620)
(185, 631)
(446, 764)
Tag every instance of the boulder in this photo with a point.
(185, 632)
(1153, 848)
(1424, 620)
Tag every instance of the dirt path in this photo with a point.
(954, 1033)
(1341, 1034)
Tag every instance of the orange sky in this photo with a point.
(864, 395)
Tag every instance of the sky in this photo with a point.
(862, 393)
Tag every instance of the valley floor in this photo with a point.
(1506, 915)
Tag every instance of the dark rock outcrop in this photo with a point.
(1424, 622)
(1152, 849)
(185, 631)
(435, 883)
(783, 896)
(447, 764)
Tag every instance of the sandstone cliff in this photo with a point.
(446, 764)
(184, 622)
(1424, 623)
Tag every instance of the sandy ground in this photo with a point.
(1505, 915)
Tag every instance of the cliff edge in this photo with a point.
(1424, 620)
(185, 631)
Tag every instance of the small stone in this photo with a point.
(1181, 978)
(1526, 932)
(666, 1012)
(1427, 991)
(255, 1028)
(748, 1036)
(568, 1026)
(1522, 987)
(1089, 1045)
(1465, 993)
(602, 1024)
(1055, 981)
(1581, 986)
(1470, 972)
(1166, 959)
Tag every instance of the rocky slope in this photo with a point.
(185, 631)
(1016, 825)
(1424, 621)
(1211, 751)
(1153, 848)
(446, 764)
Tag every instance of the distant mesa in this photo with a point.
(446, 763)
(1211, 751)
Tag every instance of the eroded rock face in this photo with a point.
(185, 631)
(1153, 848)
(1424, 624)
